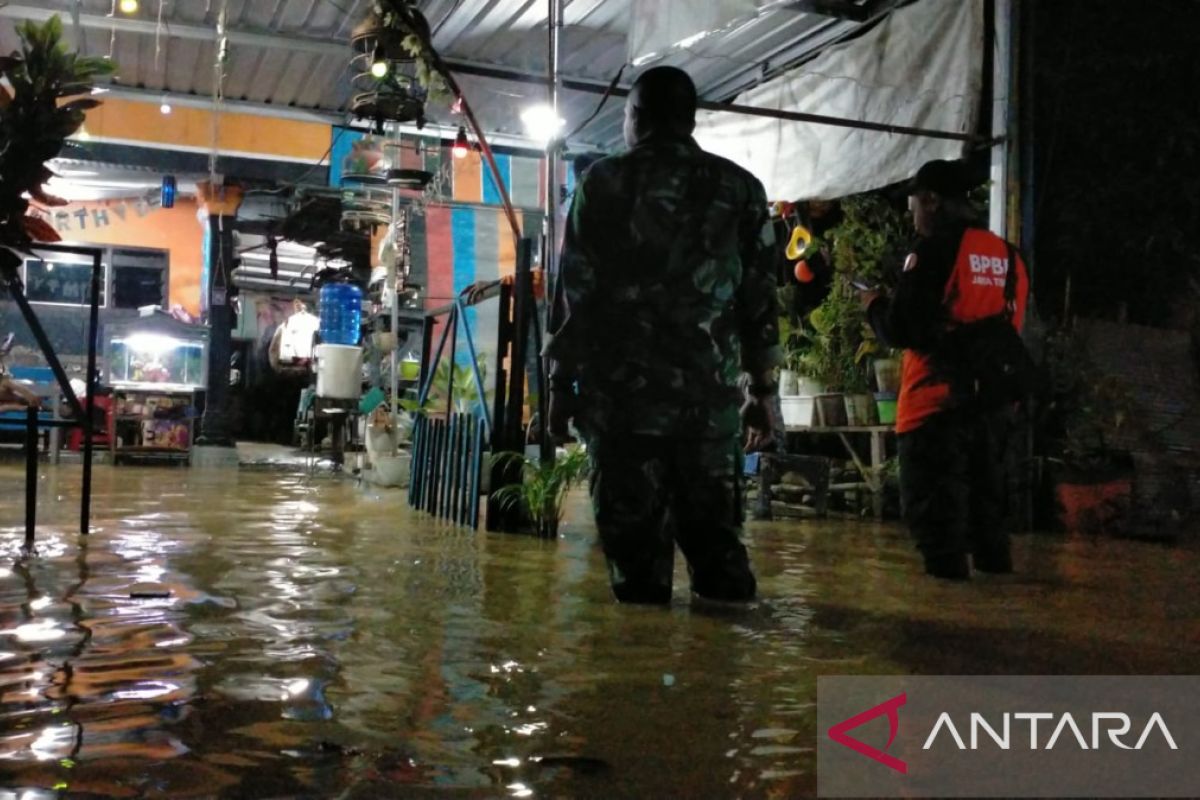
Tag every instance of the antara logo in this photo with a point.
(1106, 728)
(1114, 724)
(889, 707)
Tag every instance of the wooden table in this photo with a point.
(872, 479)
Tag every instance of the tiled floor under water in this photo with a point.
(321, 640)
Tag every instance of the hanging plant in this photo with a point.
(35, 124)
(409, 26)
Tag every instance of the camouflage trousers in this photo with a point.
(952, 486)
(648, 494)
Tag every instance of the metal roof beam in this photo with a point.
(733, 108)
(838, 9)
(844, 9)
(323, 47)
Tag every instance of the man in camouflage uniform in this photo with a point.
(666, 295)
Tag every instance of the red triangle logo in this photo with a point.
(889, 707)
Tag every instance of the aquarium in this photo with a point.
(155, 352)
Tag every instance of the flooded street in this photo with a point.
(296, 635)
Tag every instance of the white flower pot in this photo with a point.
(797, 411)
(789, 383)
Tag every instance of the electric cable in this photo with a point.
(612, 87)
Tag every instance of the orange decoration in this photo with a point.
(804, 273)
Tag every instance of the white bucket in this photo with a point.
(391, 470)
(339, 371)
(797, 411)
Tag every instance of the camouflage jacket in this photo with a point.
(667, 292)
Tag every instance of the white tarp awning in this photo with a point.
(921, 67)
(659, 27)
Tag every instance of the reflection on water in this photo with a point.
(262, 635)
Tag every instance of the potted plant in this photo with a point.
(543, 488)
(37, 115)
(1091, 422)
(466, 394)
(867, 244)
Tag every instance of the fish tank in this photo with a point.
(157, 352)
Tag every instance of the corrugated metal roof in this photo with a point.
(300, 59)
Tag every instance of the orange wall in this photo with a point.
(243, 134)
(176, 230)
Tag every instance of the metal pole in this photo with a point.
(395, 314)
(553, 201)
(554, 148)
(1002, 84)
(88, 422)
(17, 293)
(452, 321)
(31, 475)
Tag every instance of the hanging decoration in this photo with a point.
(76, 219)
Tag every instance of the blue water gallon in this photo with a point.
(341, 313)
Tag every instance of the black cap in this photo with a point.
(947, 178)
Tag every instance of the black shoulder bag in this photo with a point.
(986, 362)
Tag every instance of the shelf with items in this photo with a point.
(152, 422)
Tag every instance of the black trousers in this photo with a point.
(953, 488)
(651, 493)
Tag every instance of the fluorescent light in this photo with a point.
(542, 124)
(150, 343)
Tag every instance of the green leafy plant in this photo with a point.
(837, 345)
(872, 239)
(831, 355)
(403, 19)
(466, 393)
(35, 122)
(1092, 416)
(543, 488)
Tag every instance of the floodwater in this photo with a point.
(318, 639)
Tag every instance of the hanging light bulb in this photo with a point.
(129, 6)
(379, 66)
(542, 124)
(165, 108)
(461, 144)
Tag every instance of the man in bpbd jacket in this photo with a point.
(951, 447)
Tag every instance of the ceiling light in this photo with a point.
(542, 124)
(128, 6)
(462, 146)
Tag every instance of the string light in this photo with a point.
(462, 146)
